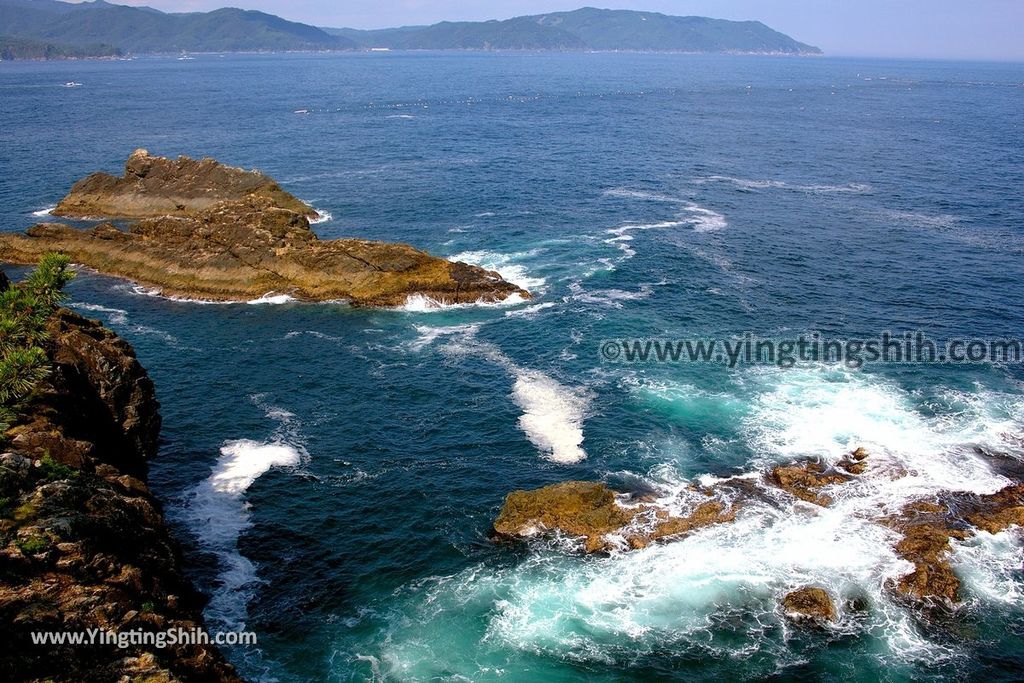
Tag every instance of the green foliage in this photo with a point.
(33, 544)
(51, 470)
(24, 311)
(22, 48)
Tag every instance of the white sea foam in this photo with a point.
(675, 596)
(506, 265)
(627, 193)
(552, 416)
(704, 219)
(420, 303)
(322, 217)
(700, 218)
(218, 513)
(272, 299)
(116, 316)
(609, 297)
(552, 413)
(529, 311)
(746, 184)
(44, 212)
(939, 221)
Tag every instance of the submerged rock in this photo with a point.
(156, 186)
(809, 604)
(238, 238)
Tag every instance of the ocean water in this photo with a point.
(333, 473)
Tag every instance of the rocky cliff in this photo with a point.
(83, 543)
(207, 231)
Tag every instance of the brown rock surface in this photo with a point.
(809, 604)
(155, 186)
(238, 251)
(929, 527)
(83, 542)
(804, 480)
(590, 510)
(1000, 510)
(208, 231)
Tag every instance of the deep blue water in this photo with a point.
(334, 473)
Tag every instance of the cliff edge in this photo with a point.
(83, 542)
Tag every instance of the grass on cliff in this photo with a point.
(25, 309)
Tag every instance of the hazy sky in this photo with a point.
(976, 29)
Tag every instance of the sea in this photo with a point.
(333, 473)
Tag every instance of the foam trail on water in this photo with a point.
(530, 311)
(552, 413)
(218, 513)
(272, 299)
(745, 184)
(116, 316)
(552, 416)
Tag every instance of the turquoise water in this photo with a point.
(333, 473)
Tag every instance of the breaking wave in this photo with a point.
(218, 513)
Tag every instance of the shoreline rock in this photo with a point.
(83, 542)
(927, 528)
(240, 248)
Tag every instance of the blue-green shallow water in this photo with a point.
(334, 472)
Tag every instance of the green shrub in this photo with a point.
(25, 309)
(51, 470)
(33, 544)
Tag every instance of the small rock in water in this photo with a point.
(809, 605)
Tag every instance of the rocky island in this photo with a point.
(202, 230)
(83, 542)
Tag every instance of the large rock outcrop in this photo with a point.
(590, 510)
(224, 247)
(83, 542)
(156, 186)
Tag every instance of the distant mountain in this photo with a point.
(51, 27)
(143, 29)
(588, 28)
